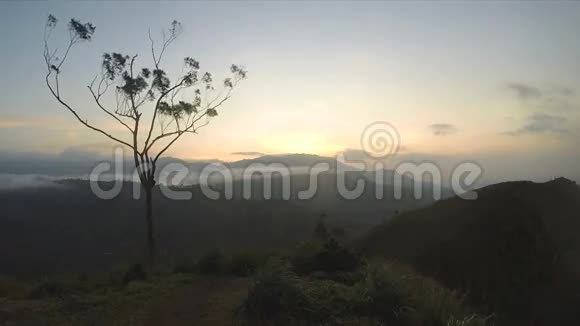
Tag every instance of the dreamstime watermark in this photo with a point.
(380, 142)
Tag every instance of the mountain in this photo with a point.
(290, 160)
(81, 164)
(57, 225)
(68, 229)
(517, 246)
(64, 227)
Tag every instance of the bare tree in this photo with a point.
(178, 107)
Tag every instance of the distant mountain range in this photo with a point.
(298, 164)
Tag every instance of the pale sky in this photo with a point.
(494, 81)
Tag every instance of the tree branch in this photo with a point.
(107, 111)
(84, 122)
(157, 109)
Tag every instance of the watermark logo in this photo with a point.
(380, 142)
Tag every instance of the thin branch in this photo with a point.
(167, 147)
(190, 128)
(107, 111)
(131, 96)
(84, 122)
(156, 109)
(153, 49)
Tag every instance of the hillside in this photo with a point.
(66, 228)
(516, 248)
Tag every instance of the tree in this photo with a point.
(178, 107)
(320, 231)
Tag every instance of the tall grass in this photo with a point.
(387, 294)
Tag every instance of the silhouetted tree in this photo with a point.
(174, 111)
(320, 231)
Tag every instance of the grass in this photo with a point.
(376, 293)
(309, 286)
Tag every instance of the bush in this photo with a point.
(382, 296)
(124, 275)
(303, 258)
(49, 288)
(336, 258)
(348, 278)
(428, 301)
(214, 262)
(472, 320)
(243, 264)
(332, 302)
(276, 295)
(136, 272)
(329, 257)
(385, 294)
(185, 266)
(13, 289)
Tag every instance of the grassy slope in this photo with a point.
(515, 248)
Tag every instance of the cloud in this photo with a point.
(13, 181)
(248, 153)
(355, 154)
(543, 98)
(541, 123)
(17, 122)
(442, 129)
(524, 91)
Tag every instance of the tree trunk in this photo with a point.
(150, 229)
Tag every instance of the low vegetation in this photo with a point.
(314, 287)
(320, 282)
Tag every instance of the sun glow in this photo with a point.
(304, 143)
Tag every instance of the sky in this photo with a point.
(493, 82)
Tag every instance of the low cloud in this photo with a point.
(14, 181)
(541, 123)
(442, 129)
(255, 154)
(355, 154)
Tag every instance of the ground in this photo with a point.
(205, 303)
(176, 300)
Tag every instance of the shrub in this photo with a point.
(382, 295)
(385, 294)
(331, 301)
(50, 288)
(213, 262)
(276, 295)
(13, 289)
(185, 266)
(124, 275)
(429, 302)
(472, 320)
(336, 258)
(243, 264)
(304, 257)
(134, 273)
(329, 257)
